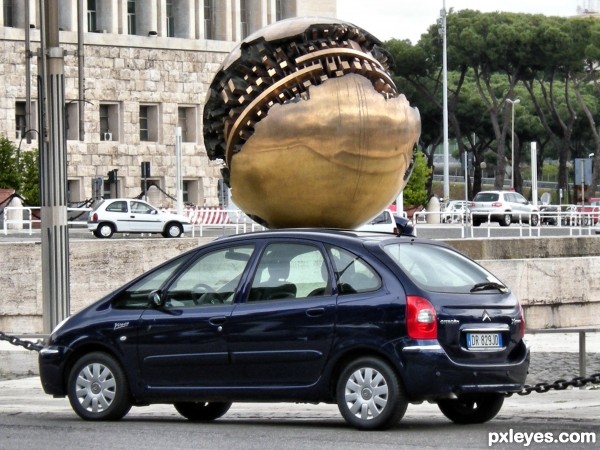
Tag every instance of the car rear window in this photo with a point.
(486, 197)
(439, 269)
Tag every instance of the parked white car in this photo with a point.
(455, 211)
(387, 222)
(124, 215)
(504, 207)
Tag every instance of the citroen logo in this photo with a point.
(486, 316)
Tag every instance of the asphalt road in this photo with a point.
(431, 231)
(30, 419)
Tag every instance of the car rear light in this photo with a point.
(497, 204)
(421, 319)
(471, 204)
(95, 217)
(522, 323)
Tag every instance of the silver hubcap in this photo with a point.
(366, 393)
(96, 387)
(105, 230)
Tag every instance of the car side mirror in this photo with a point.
(153, 212)
(155, 299)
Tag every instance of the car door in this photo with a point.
(282, 334)
(183, 344)
(117, 212)
(144, 218)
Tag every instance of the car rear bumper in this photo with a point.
(430, 374)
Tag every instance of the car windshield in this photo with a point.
(439, 269)
(486, 197)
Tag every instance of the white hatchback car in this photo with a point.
(124, 215)
(504, 207)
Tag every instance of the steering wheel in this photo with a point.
(203, 294)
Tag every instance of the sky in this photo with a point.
(408, 19)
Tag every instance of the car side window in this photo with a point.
(290, 271)
(210, 280)
(137, 295)
(141, 208)
(352, 273)
(120, 206)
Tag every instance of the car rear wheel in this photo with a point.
(505, 220)
(369, 395)
(173, 230)
(104, 230)
(470, 409)
(97, 388)
(202, 411)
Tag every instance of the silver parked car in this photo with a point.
(124, 215)
(504, 207)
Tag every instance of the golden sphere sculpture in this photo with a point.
(310, 126)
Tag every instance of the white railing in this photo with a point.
(19, 221)
(25, 211)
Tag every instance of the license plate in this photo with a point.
(484, 340)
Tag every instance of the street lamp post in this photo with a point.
(512, 143)
(442, 30)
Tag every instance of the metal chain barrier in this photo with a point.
(558, 385)
(540, 388)
(33, 346)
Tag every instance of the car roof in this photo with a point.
(324, 234)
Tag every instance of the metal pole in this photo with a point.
(512, 143)
(445, 106)
(53, 167)
(534, 179)
(178, 178)
(27, 78)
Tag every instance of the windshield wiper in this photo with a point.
(489, 285)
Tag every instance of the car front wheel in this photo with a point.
(369, 395)
(470, 409)
(202, 411)
(97, 388)
(534, 220)
(173, 230)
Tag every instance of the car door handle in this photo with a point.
(219, 320)
(315, 312)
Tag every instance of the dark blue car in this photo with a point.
(370, 322)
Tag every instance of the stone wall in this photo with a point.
(556, 279)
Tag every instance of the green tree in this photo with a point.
(415, 191)
(20, 171)
(9, 173)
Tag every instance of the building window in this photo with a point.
(74, 194)
(170, 19)
(191, 192)
(20, 120)
(91, 15)
(209, 19)
(186, 119)
(244, 18)
(8, 13)
(72, 120)
(109, 122)
(131, 17)
(148, 123)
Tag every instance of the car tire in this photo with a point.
(505, 220)
(104, 230)
(173, 230)
(369, 394)
(472, 409)
(97, 388)
(202, 411)
(534, 220)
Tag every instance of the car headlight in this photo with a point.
(59, 326)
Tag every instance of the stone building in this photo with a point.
(146, 67)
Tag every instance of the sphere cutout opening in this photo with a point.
(310, 125)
